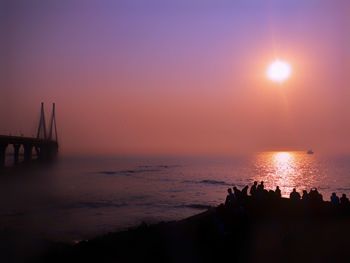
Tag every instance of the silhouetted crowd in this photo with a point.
(259, 193)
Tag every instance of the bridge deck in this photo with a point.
(23, 140)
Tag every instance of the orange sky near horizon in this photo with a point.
(178, 78)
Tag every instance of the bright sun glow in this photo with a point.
(279, 71)
(283, 157)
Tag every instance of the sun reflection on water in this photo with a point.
(286, 170)
(284, 164)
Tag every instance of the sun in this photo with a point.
(279, 71)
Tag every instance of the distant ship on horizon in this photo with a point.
(310, 152)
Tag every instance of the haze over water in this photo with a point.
(80, 197)
(134, 79)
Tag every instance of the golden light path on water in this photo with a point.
(287, 170)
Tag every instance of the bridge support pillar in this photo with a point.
(41, 152)
(16, 153)
(2, 154)
(37, 151)
(28, 148)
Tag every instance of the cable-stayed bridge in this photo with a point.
(44, 146)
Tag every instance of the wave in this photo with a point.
(171, 206)
(158, 166)
(343, 189)
(94, 205)
(128, 172)
(214, 182)
(108, 172)
(139, 169)
(195, 206)
(209, 181)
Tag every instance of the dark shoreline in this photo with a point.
(274, 231)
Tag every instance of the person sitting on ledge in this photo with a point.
(319, 196)
(271, 194)
(260, 190)
(229, 198)
(260, 187)
(253, 188)
(278, 192)
(294, 196)
(305, 196)
(344, 201)
(245, 192)
(334, 199)
(237, 193)
(315, 196)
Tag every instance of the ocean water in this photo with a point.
(80, 197)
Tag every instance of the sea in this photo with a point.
(80, 197)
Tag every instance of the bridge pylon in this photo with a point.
(41, 134)
(53, 126)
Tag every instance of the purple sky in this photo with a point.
(177, 77)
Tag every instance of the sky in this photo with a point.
(177, 77)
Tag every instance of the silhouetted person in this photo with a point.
(261, 186)
(265, 192)
(245, 192)
(335, 199)
(229, 198)
(237, 193)
(260, 191)
(305, 196)
(344, 201)
(315, 196)
(312, 195)
(278, 192)
(294, 195)
(271, 195)
(318, 196)
(253, 188)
